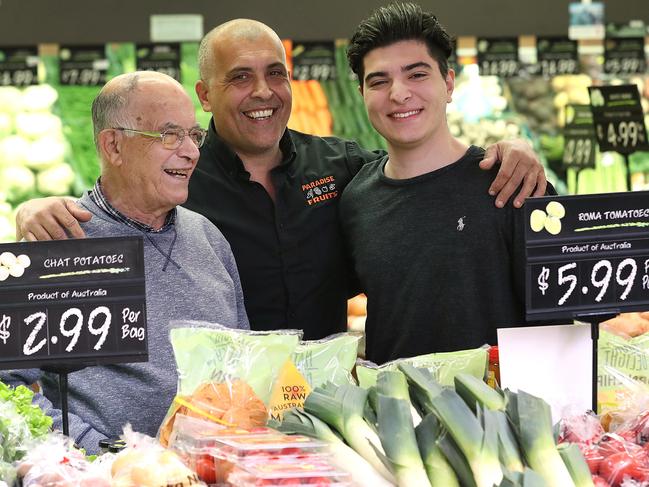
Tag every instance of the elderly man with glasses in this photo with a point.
(148, 141)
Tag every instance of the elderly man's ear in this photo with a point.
(110, 147)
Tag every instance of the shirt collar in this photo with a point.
(98, 197)
(221, 152)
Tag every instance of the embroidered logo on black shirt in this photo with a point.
(320, 190)
(460, 224)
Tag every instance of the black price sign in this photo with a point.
(82, 65)
(72, 302)
(498, 57)
(587, 254)
(624, 55)
(18, 66)
(618, 118)
(580, 143)
(557, 56)
(162, 57)
(314, 60)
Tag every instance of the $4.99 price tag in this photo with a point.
(587, 254)
(618, 118)
(74, 302)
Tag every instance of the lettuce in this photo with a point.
(37, 421)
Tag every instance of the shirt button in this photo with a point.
(281, 226)
(291, 314)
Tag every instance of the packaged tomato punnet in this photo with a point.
(288, 472)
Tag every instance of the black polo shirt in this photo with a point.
(289, 252)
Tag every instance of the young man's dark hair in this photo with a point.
(399, 22)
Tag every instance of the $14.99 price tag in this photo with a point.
(587, 254)
(72, 302)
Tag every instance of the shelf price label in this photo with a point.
(557, 56)
(74, 302)
(624, 55)
(579, 136)
(161, 57)
(314, 60)
(18, 66)
(82, 65)
(587, 254)
(618, 118)
(498, 57)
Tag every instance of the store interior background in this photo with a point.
(69, 21)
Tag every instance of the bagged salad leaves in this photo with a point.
(444, 366)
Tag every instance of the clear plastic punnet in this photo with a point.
(288, 472)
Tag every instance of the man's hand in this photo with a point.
(519, 164)
(52, 218)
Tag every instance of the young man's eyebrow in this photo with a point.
(409, 67)
(419, 64)
(375, 74)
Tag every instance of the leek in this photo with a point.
(475, 391)
(440, 473)
(479, 446)
(423, 387)
(397, 436)
(508, 450)
(394, 384)
(479, 449)
(363, 474)
(344, 412)
(456, 459)
(531, 419)
(576, 464)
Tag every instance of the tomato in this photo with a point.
(319, 481)
(615, 467)
(593, 457)
(206, 469)
(613, 443)
(600, 482)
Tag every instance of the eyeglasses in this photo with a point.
(172, 138)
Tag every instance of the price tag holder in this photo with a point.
(72, 302)
(557, 56)
(161, 57)
(83, 65)
(624, 55)
(587, 254)
(579, 135)
(618, 118)
(498, 57)
(314, 60)
(18, 66)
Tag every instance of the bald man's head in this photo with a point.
(234, 30)
(109, 108)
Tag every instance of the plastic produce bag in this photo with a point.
(623, 371)
(226, 375)
(144, 463)
(328, 360)
(56, 463)
(444, 366)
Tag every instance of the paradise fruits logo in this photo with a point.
(12, 265)
(550, 219)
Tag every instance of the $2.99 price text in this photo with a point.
(598, 281)
(41, 330)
